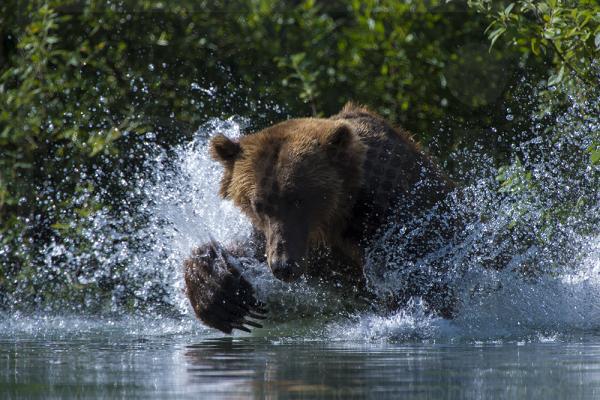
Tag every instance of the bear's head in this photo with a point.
(297, 182)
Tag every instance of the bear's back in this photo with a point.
(399, 179)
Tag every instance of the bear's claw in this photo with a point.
(220, 296)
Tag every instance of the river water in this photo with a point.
(64, 357)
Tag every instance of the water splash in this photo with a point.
(539, 221)
(526, 261)
(549, 281)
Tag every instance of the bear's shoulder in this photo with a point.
(399, 178)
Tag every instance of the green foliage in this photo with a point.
(568, 29)
(568, 32)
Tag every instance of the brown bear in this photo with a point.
(317, 191)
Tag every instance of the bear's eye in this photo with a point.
(297, 203)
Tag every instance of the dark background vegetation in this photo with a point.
(85, 86)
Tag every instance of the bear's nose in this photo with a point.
(287, 271)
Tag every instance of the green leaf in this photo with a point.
(60, 226)
(555, 79)
(297, 58)
(23, 165)
(535, 47)
(494, 35)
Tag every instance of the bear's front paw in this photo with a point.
(220, 296)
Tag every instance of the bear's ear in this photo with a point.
(339, 137)
(224, 149)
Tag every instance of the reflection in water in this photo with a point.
(262, 369)
(119, 362)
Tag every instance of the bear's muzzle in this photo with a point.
(287, 271)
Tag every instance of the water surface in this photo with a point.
(172, 358)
